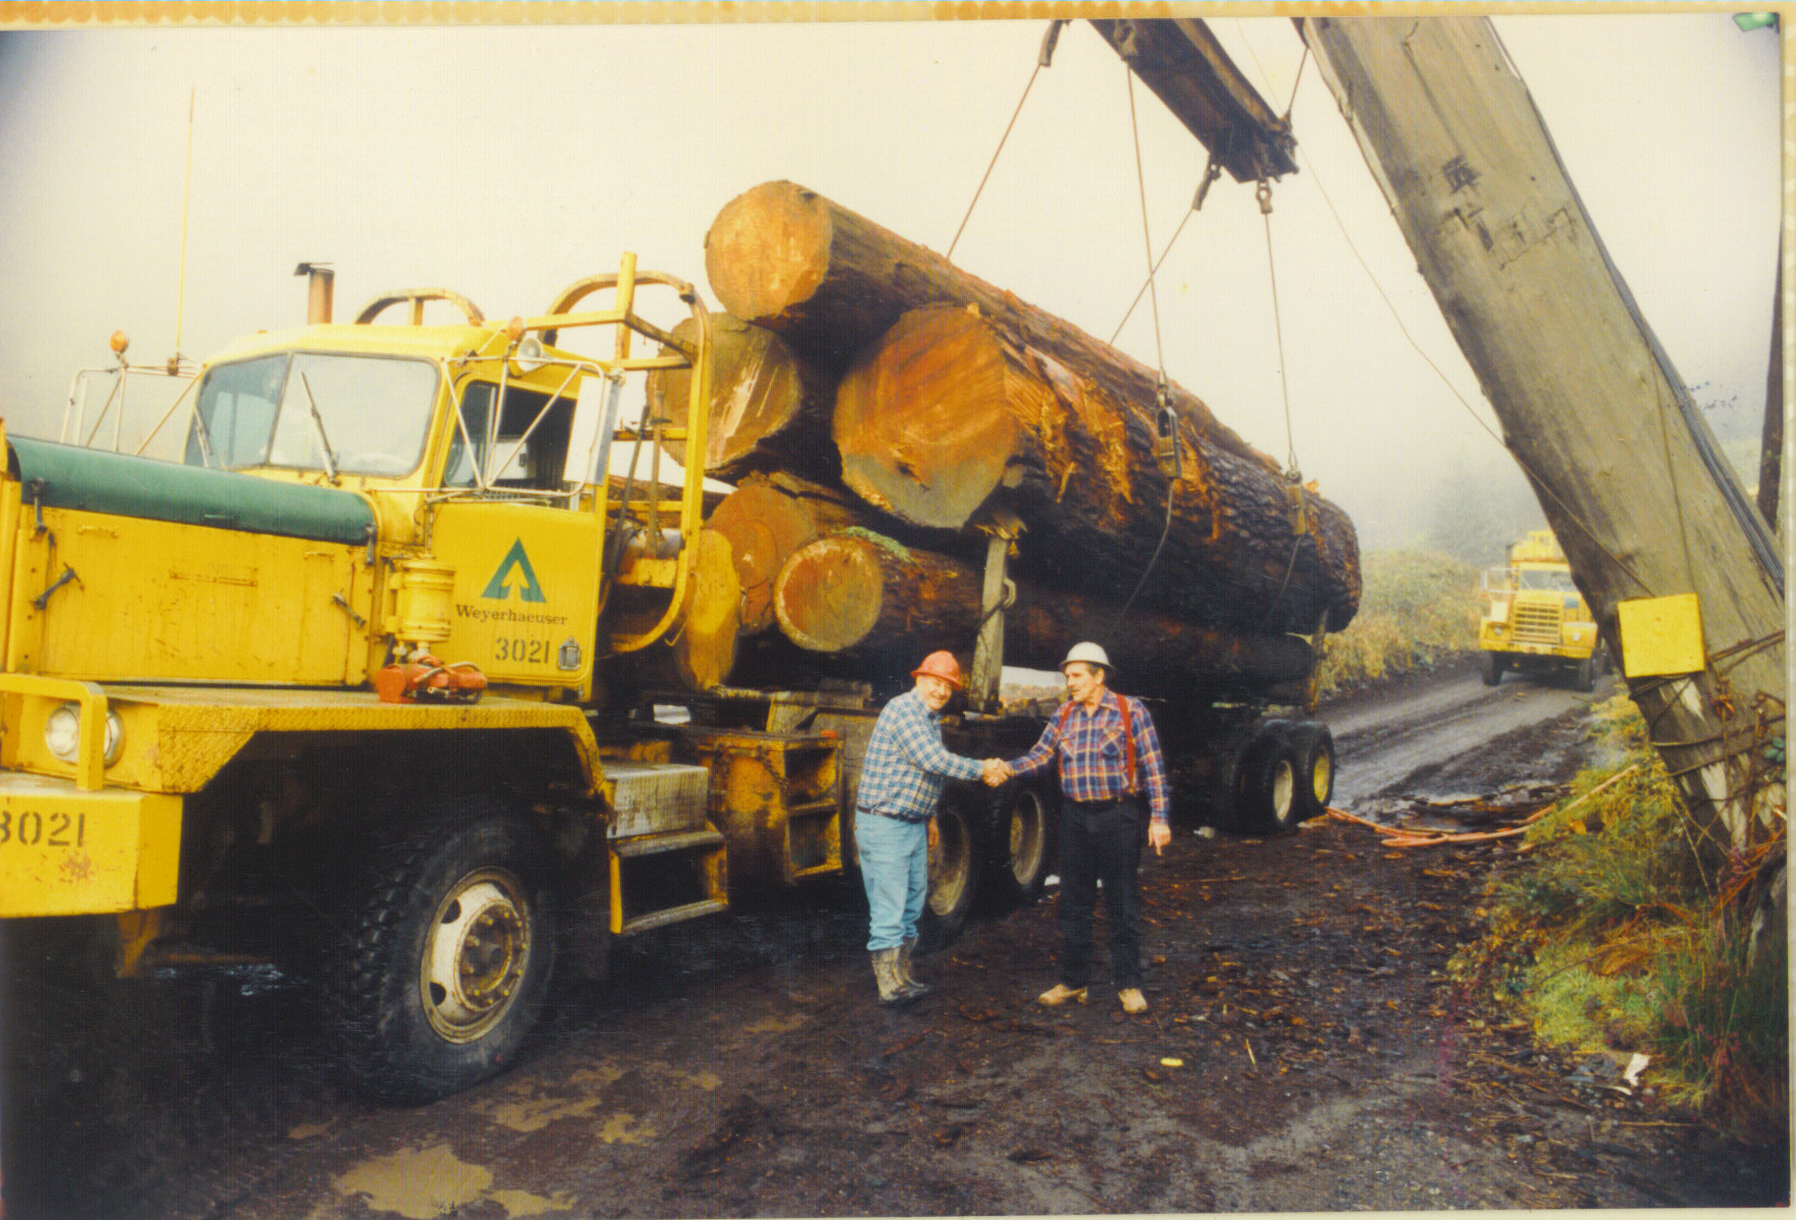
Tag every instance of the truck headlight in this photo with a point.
(62, 733)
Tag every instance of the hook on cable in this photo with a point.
(1263, 193)
(1168, 455)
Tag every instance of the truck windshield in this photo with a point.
(1548, 580)
(373, 413)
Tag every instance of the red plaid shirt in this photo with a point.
(1091, 753)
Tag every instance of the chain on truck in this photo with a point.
(367, 683)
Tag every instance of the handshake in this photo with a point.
(997, 771)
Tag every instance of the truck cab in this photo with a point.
(1533, 618)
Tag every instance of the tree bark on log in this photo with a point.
(831, 281)
(703, 652)
(770, 516)
(858, 593)
(769, 409)
(951, 412)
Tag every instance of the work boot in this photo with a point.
(885, 973)
(910, 982)
(1059, 994)
(1133, 1002)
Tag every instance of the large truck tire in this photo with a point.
(446, 956)
(1314, 747)
(1585, 677)
(1270, 800)
(954, 869)
(1026, 834)
(1494, 665)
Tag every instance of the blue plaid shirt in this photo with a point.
(907, 763)
(1092, 754)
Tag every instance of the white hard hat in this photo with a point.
(1091, 654)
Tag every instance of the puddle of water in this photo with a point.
(521, 1203)
(623, 1128)
(417, 1183)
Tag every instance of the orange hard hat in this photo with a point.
(941, 665)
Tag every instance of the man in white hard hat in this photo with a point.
(1108, 754)
(894, 823)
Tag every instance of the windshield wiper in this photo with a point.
(204, 435)
(330, 455)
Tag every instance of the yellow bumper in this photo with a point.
(64, 851)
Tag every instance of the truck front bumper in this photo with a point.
(69, 851)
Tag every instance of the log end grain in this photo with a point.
(767, 252)
(764, 527)
(756, 391)
(705, 651)
(924, 418)
(829, 595)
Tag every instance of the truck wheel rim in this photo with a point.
(1323, 776)
(475, 955)
(1284, 787)
(1028, 837)
(949, 866)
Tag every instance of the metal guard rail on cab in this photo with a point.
(90, 752)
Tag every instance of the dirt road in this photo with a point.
(1303, 1052)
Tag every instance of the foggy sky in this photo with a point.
(506, 163)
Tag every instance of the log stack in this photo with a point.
(953, 406)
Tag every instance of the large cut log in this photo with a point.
(769, 517)
(859, 593)
(769, 409)
(833, 282)
(952, 412)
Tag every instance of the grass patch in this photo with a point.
(1614, 935)
(1415, 608)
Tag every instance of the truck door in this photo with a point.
(525, 553)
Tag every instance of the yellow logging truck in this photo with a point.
(1533, 617)
(365, 678)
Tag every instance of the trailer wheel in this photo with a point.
(447, 956)
(1024, 843)
(1270, 796)
(1314, 747)
(1494, 665)
(953, 880)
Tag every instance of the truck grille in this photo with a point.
(1537, 624)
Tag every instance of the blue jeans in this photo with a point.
(895, 870)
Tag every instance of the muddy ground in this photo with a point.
(1304, 1051)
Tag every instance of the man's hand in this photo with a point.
(935, 835)
(996, 772)
(1159, 834)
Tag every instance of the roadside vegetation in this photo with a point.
(1416, 608)
(1621, 932)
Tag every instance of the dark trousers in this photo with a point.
(1099, 840)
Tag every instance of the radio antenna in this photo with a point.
(186, 193)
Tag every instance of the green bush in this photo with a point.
(1415, 608)
(1611, 935)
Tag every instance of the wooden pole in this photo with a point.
(1590, 407)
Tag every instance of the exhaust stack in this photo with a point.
(318, 296)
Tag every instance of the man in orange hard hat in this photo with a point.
(894, 821)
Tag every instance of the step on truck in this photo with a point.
(389, 681)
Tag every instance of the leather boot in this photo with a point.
(885, 973)
(911, 983)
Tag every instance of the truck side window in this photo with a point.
(538, 465)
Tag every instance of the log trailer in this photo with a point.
(1533, 618)
(367, 686)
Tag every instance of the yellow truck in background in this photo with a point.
(1532, 617)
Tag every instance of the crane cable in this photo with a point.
(1044, 59)
(1166, 423)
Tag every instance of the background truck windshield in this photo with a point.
(375, 413)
